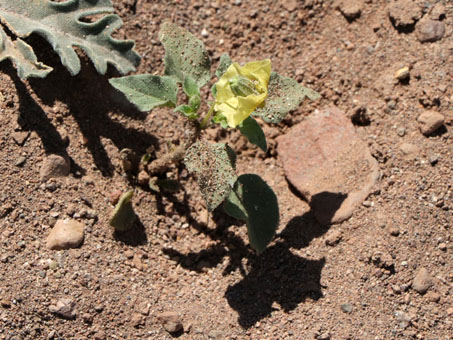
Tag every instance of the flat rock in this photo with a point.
(64, 308)
(170, 321)
(422, 281)
(430, 30)
(404, 12)
(351, 9)
(54, 166)
(328, 164)
(65, 234)
(430, 121)
(20, 137)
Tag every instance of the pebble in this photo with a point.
(351, 9)
(433, 296)
(401, 131)
(170, 321)
(403, 318)
(114, 196)
(409, 149)
(430, 121)
(20, 161)
(394, 231)
(65, 234)
(402, 73)
(433, 159)
(333, 238)
(137, 320)
(450, 311)
(204, 33)
(346, 307)
(404, 12)
(324, 336)
(54, 166)
(64, 308)
(290, 5)
(430, 30)
(422, 281)
(442, 246)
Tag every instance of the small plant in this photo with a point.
(64, 25)
(240, 94)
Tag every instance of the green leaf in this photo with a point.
(123, 216)
(61, 25)
(214, 165)
(252, 130)
(214, 90)
(147, 91)
(187, 111)
(284, 95)
(224, 63)
(195, 102)
(253, 201)
(22, 56)
(190, 87)
(185, 55)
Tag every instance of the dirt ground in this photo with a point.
(352, 280)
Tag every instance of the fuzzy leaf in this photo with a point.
(22, 56)
(284, 95)
(224, 63)
(123, 217)
(185, 55)
(214, 165)
(147, 91)
(252, 130)
(253, 201)
(190, 87)
(60, 24)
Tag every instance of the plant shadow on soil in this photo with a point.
(89, 99)
(277, 275)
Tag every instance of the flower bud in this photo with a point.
(242, 86)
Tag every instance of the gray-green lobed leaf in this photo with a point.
(60, 23)
(214, 165)
(254, 202)
(185, 55)
(22, 56)
(147, 91)
(284, 95)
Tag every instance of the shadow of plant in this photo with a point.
(277, 275)
(89, 99)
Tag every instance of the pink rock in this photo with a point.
(326, 162)
(54, 166)
(65, 234)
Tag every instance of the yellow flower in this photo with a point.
(241, 90)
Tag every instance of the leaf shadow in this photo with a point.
(136, 236)
(90, 99)
(275, 278)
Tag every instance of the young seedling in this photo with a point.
(240, 94)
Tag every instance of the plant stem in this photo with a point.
(207, 118)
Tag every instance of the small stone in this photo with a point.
(65, 234)
(170, 321)
(433, 159)
(137, 320)
(64, 308)
(333, 238)
(403, 318)
(402, 73)
(290, 5)
(430, 30)
(142, 307)
(346, 307)
(20, 161)
(396, 289)
(324, 336)
(442, 246)
(54, 166)
(87, 318)
(422, 281)
(394, 231)
(430, 121)
(404, 13)
(20, 137)
(450, 311)
(100, 335)
(204, 33)
(401, 132)
(137, 262)
(433, 296)
(114, 196)
(5, 302)
(409, 149)
(351, 9)
(51, 335)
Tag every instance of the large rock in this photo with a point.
(65, 234)
(430, 121)
(170, 321)
(54, 166)
(404, 12)
(430, 30)
(326, 162)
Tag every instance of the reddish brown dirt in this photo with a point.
(209, 274)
